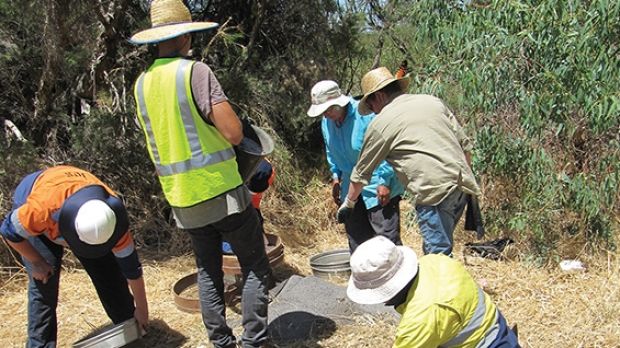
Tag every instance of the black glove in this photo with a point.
(259, 182)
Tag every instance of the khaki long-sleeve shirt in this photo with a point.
(422, 140)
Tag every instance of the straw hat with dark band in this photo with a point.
(375, 80)
(169, 19)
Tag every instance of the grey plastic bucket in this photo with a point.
(334, 263)
(256, 144)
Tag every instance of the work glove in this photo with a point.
(336, 192)
(259, 182)
(345, 210)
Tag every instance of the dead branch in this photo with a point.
(379, 49)
(385, 15)
(401, 45)
(12, 128)
(220, 32)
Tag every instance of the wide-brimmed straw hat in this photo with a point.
(380, 270)
(323, 95)
(169, 19)
(375, 80)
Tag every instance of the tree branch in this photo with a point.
(219, 32)
(259, 13)
(401, 45)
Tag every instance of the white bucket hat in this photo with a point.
(169, 19)
(380, 270)
(325, 94)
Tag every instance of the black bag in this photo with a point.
(492, 249)
(473, 217)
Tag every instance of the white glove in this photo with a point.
(346, 208)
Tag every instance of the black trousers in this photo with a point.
(364, 224)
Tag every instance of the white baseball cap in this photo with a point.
(325, 94)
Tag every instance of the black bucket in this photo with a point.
(255, 146)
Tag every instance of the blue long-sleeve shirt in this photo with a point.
(343, 144)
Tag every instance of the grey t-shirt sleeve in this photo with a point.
(206, 89)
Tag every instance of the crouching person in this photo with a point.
(63, 207)
(440, 303)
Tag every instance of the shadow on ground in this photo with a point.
(289, 327)
(159, 335)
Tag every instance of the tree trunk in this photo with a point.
(258, 12)
(112, 20)
(44, 96)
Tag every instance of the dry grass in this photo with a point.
(551, 308)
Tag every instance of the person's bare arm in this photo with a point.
(139, 295)
(225, 119)
(355, 188)
(41, 269)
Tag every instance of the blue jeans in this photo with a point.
(105, 274)
(437, 223)
(506, 338)
(242, 231)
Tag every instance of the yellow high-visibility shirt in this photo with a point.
(440, 304)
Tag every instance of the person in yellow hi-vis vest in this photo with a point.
(190, 129)
(440, 303)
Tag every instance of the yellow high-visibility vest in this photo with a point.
(194, 162)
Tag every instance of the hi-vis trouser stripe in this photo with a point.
(473, 325)
(198, 158)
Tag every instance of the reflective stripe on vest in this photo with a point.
(491, 335)
(198, 158)
(474, 324)
(193, 160)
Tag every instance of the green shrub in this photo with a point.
(536, 82)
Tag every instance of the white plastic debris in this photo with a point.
(572, 266)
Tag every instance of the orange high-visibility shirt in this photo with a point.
(48, 194)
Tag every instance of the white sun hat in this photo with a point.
(325, 94)
(95, 222)
(380, 270)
